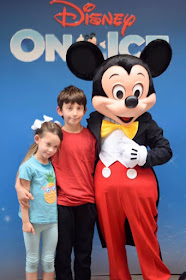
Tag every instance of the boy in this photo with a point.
(74, 168)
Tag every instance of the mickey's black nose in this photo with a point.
(131, 101)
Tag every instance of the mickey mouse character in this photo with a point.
(130, 143)
(91, 38)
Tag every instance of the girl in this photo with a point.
(37, 176)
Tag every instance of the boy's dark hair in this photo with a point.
(71, 94)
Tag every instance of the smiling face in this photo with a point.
(47, 146)
(122, 84)
(72, 114)
(126, 94)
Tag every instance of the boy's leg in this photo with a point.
(65, 243)
(84, 229)
(49, 243)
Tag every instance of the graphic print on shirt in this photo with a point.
(50, 189)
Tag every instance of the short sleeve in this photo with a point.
(26, 171)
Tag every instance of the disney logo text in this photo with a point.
(87, 17)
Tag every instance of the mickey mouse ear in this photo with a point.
(157, 54)
(83, 58)
(92, 35)
(87, 37)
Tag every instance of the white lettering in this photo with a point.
(17, 39)
(127, 41)
(53, 44)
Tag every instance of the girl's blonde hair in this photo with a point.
(45, 127)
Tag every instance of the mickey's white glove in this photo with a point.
(132, 153)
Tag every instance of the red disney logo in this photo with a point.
(87, 17)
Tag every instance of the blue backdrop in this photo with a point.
(33, 71)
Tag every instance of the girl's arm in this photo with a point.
(27, 226)
(23, 194)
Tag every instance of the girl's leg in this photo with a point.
(32, 253)
(49, 243)
(48, 275)
(31, 276)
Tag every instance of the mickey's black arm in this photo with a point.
(160, 151)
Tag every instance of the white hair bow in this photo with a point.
(38, 123)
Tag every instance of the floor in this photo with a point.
(134, 277)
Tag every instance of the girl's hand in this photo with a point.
(28, 227)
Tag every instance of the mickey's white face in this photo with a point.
(118, 85)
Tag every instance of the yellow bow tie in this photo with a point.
(108, 127)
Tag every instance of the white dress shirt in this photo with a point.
(110, 146)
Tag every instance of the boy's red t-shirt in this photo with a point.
(74, 168)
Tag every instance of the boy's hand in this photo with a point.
(28, 227)
(24, 196)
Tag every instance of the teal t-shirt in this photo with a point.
(43, 209)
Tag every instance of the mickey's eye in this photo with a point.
(118, 92)
(138, 90)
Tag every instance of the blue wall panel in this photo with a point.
(30, 89)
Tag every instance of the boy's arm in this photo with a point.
(27, 226)
(23, 194)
